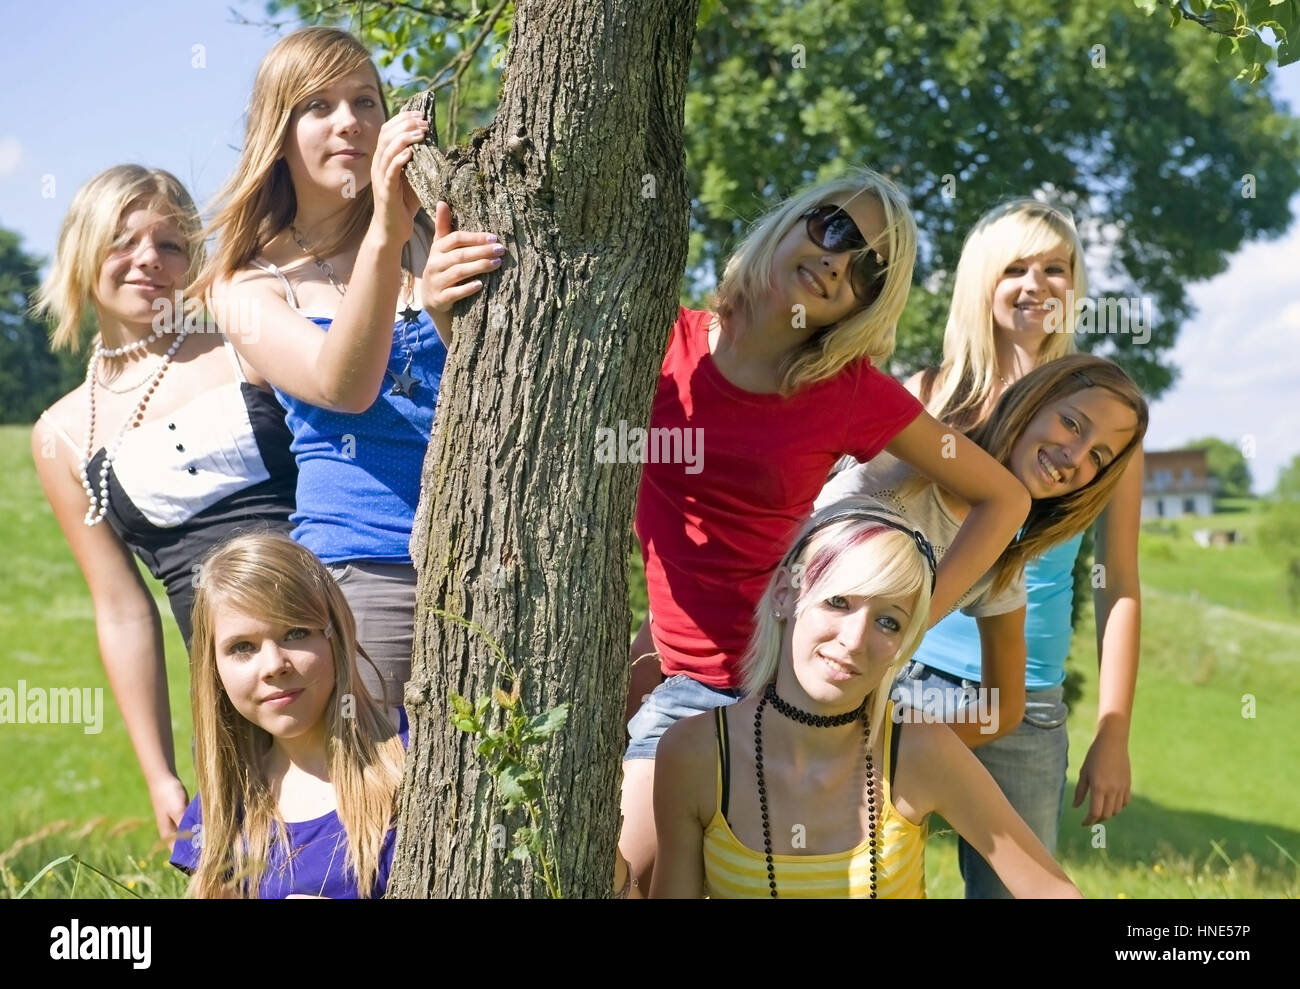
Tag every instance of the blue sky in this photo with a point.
(91, 84)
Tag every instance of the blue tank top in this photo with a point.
(953, 645)
(359, 475)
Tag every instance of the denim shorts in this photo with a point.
(678, 697)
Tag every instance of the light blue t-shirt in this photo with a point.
(359, 475)
(953, 645)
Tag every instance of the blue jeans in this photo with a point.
(677, 697)
(1028, 764)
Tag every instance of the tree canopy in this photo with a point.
(1227, 466)
(31, 377)
(1288, 481)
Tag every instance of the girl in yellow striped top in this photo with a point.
(809, 787)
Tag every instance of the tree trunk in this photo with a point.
(519, 529)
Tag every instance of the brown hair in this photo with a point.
(258, 202)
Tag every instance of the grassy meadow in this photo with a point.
(1215, 812)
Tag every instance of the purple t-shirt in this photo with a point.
(316, 865)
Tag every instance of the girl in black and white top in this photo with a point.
(170, 447)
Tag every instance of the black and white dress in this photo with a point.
(215, 467)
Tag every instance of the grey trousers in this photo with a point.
(382, 598)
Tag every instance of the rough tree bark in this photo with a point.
(519, 530)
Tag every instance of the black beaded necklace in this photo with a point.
(819, 721)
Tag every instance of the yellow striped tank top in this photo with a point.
(733, 870)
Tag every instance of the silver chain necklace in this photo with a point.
(115, 389)
(404, 382)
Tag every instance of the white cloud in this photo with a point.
(11, 154)
(1239, 360)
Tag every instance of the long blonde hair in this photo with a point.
(866, 332)
(89, 233)
(258, 202)
(854, 556)
(1019, 228)
(269, 576)
(1052, 521)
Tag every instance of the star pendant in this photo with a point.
(404, 383)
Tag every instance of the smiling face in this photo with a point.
(278, 677)
(1020, 297)
(149, 260)
(1070, 440)
(841, 647)
(333, 134)
(805, 274)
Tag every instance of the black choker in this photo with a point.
(816, 720)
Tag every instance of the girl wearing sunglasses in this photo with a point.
(1017, 259)
(811, 786)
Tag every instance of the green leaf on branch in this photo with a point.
(463, 715)
(1240, 23)
(518, 784)
(1287, 52)
(547, 724)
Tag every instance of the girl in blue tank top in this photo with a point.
(1010, 313)
(327, 279)
(298, 767)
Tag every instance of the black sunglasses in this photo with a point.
(832, 229)
(864, 515)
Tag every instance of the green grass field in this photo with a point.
(1215, 810)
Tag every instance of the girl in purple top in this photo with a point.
(298, 766)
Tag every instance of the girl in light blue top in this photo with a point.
(1012, 311)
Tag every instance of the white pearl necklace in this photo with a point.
(99, 505)
(130, 348)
